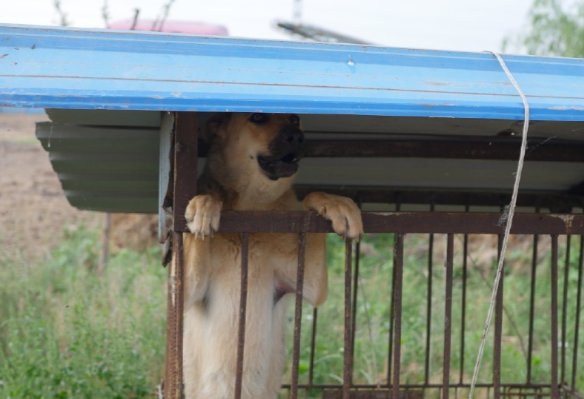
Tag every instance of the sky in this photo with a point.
(465, 25)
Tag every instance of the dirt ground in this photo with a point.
(33, 209)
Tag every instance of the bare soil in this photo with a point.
(33, 209)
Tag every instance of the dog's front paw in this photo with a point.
(203, 214)
(343, 213)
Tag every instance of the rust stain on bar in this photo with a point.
(498, 333)
(532, 305)
(397, 302)
(554, 319)
(312, 346)
(429, 309)
(347, 353)
(244, 237)
(578, 304)
(403, 223)
(470, 148)
(185, 166)
(463, 307)
(563, 339)
(298, 315)
(447, 316)
(184, 188)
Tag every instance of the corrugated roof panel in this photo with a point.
(96, 69)
(104, 168)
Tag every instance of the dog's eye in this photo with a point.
(259, 118)
(295, 120)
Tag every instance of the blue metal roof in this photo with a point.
(96, 69)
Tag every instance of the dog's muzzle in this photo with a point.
(285, 152)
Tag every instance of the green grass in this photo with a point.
(67, 332)
(373, 314)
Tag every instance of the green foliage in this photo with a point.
(67, 332)
(556, 27)
(374, 304)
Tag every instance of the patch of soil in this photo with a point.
(33, 207)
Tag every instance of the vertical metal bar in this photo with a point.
(498, 330)
(565, 310)
(532, 306)
(244, 238)
(577, 322)
(312, 346)
(397, 303)
(447, 316)
(355, 294)
(392, 308)
(184, 166)
(173, 372)
(554, 318)
(355, 291)
(463, 306)
(347, 355)
(298, 315)
(429, 306)
(391, 318)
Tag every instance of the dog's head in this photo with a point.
(269, 144)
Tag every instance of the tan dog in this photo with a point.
(251, 165)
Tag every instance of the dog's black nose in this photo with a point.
(291, 136)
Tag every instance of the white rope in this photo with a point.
(506, 218)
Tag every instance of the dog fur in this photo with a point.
(238, 176)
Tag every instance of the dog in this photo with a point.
(251, 165)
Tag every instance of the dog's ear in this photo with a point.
(214, 124)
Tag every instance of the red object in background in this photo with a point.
(172, 26)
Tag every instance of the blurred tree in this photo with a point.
(556, 27)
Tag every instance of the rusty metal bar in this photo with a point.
(403, 223)
(447, 316)
(429, 305)
(244, 238)
(409, 386)
(397, 303)
(391, 320)
(312, 346)
(498, 330)
(347, 354)
(532, 306)
(184, 187)
(565, 310)
(298, 315)
(355, 293)
(463, 306)
(577, 322)
(491, 148)
(173, 382)
(558, 202)
(554, 318)
(185, 166)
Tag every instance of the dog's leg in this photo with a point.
(202, 214)
(346, 221)
(343, 213)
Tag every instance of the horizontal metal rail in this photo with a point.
(403, 223)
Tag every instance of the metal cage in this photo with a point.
(554, 329)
